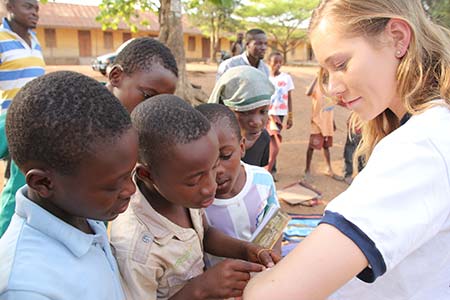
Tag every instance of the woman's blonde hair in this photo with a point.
(424, 71)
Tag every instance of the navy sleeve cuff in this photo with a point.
(367, 246)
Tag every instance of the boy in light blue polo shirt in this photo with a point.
(75, 144)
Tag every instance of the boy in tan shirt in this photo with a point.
(160, 240)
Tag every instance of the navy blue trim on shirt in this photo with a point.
(405, 119)
(367, 246)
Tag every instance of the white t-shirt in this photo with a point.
(279, 101)
(397, 211)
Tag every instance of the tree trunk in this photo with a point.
(212, 42)
(171, 34)
(217, 38)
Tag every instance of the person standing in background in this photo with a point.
(322, 128)
(280, 107)
(21, 57)
(255, 50)
(237, 48)
(21, 61)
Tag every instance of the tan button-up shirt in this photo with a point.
(156, 257)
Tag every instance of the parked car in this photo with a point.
(104, 62)
(222, 55)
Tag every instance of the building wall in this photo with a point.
(67, 45)
(225, 44)
(193, 47)
(301, 53)
(66, 50)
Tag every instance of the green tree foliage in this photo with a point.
(113, 12)
(281, 19)
(439, 11)
(213, 17)
(171, 32)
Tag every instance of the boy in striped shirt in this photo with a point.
(20, 53)
(244, 192)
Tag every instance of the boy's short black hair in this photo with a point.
(275, 54)
(251, 34)
(59, 118)
(143, 53)
(163, 122)
(215, 112)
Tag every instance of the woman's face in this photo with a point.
(361, 73)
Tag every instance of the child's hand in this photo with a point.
(261, 255)
(289, 123)
(227, 279)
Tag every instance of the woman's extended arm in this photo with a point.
(317, 267)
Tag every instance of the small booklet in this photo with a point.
(271, 227)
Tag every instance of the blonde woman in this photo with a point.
(388, 235)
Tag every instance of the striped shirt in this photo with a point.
(19, 63)
(240, 215)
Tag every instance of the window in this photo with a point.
(108, 40)
(126, 36)
(50, 37)
(191, 43)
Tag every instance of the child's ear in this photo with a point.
(41, 181)
(143, 172)
(115, 75)
(242, 147)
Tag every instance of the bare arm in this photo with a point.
(311, 271)
(290, 120)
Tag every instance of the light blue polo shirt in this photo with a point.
(240, 60)
(43, 257)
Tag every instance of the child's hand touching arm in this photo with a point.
(261, 255)
(227, 279)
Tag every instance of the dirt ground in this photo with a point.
(291, 159)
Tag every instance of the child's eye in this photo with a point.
(148, 94)
(111, 188)
(226, 156)
(192, 182)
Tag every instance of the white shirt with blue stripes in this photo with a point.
(19, 63)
